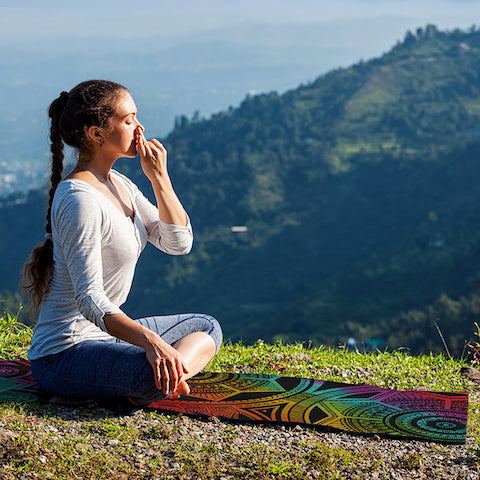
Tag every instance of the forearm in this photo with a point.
(168, 366)
(170, 210)
(153, 157)
(121, 326)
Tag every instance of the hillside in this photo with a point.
(360, 195)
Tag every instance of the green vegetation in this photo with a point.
(360, 194)
(475, 347)
(40, 453)
(15, 336)
(89, 442)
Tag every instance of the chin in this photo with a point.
(132, 153)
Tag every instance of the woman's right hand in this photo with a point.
(153, 157)
(168, 366)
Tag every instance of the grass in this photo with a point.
(89, 442)
(14, 336)
(395, 369)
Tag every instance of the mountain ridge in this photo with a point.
(345, 186)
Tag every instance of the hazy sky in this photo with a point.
(27, 19)
(186, 55)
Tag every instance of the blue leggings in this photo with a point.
(114, 368)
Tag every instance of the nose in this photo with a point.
(140, 126)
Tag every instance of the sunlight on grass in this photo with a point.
(393, 370)
(99, 447)
(15, 337)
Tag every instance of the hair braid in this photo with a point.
(89, 103)
(38, 271)
(56, 147)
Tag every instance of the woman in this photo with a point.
(97, 223)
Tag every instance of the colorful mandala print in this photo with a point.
(439, 417)
(17, 383)
(431, 416)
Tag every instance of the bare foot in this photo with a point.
(182, 389)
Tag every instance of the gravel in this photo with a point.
(381, 458)
(401, 460)
(229, 446)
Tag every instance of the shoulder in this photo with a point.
(75, 196)
(73, 190)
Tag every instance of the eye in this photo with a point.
(129, 120)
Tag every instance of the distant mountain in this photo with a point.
(360, 196)
(167, 75)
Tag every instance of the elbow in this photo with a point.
(181, 250)
(176, 240)
(187, 250)
(91, 310)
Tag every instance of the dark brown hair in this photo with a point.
(90, 103)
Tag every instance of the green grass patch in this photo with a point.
(395, 369)
(368, 102)
(15, 337)
(347, 149)
(54, 442)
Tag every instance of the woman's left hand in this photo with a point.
(153, 157)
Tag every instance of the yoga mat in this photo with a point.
(363, 409)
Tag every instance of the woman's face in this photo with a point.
(119, 136)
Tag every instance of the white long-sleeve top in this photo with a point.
(95, 250)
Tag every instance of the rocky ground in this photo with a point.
(180, 447)
(92, 442)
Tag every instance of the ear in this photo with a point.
(95, 135)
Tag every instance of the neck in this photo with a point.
(96, 164)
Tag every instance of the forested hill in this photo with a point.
(360, 195)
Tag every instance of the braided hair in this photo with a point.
(90, 103)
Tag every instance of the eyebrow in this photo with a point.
(131, 113)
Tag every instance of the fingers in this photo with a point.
(158, 145)
(153, 148)
(168, 366)
(173, 377)
(156, 150)
(184, 368)
(149, 153)
(140, 142)
(143, 146)
(164, 378)
(168, 374)
(177, 371)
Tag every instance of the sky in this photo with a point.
(25, 20)
(180, 57)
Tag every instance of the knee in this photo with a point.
(213, 328)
